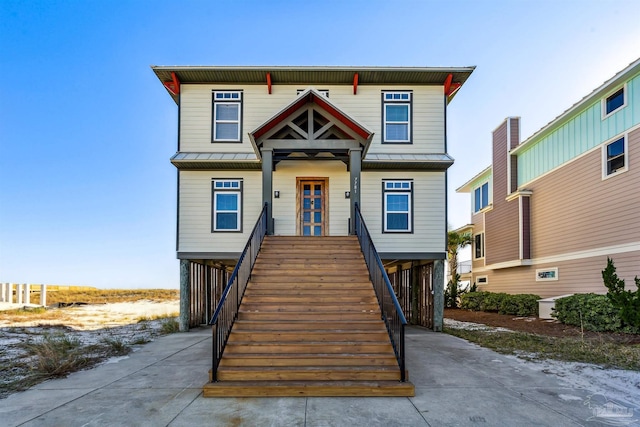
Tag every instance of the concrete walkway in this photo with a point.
(457, 384)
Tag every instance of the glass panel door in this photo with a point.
(312, 210)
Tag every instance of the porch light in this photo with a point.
(276, 194)
(347, 194)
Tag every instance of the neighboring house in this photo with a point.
(549, 211)
(310, 143)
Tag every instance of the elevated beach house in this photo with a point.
(329, 185)
(549, 210)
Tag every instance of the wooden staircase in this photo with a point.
(309, 325)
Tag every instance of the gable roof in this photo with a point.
(310, 95)
(604, 89)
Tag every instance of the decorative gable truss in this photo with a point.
(311, 128)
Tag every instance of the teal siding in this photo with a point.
(577, 135)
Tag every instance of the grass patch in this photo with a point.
(104, 296)
(116, 347)
(568, 349)
(56, 355)
(170, 326)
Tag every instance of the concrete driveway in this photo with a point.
(457, 384)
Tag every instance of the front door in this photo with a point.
(312, 207)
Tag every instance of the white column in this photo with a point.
(43, 295)
(8, 296)
(3, 292)
(18, 293)
(27, 293)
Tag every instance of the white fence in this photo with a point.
(21, 293)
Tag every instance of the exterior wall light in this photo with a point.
(276, 194)
(347, 194)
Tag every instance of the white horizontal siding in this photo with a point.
(259, 106)
(429, 221)
(284, 181)
(195, 210)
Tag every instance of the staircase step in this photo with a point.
(311, 359)
(307, 336)
(308, 373)
(309, 284)
(245, 347)
(309, 316)
(335, 279)
(316, 307)
(310, 299)
(309, 388)
(312, 325)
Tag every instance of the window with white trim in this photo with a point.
(397, 206)
(546, 274)
(396, 117)
(614, 102)
(614, 157)
(227, 116)
(478, 246)
(227, 205)
(482, 280)
(481, 197)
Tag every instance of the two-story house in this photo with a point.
(549, 210)
(320, 155)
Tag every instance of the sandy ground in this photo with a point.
(129, 323)
(617, 384)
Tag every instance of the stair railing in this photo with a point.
(390, 307)
(227, 310)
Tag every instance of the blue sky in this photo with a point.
(87, 193)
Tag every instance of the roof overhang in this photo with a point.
(452, 78)
(217, 161)
(467, 186)
(389, 161)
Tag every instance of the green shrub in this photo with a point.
(627, 303)
(592, 312)
(473, 301)
(518, 305)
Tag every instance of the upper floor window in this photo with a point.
(481, 197)
(227, 116)
(614, 157)
(396, 117)
(398, 209)
(478, 246)
(227, 205)
(614, 102)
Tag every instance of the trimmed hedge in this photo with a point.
(593, 312)
(517, 305)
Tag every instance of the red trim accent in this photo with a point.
(447, 84)
(355, 84)
(173, 86)
(280, 118)
(344, 119)
(454, 87)
(269, 82)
